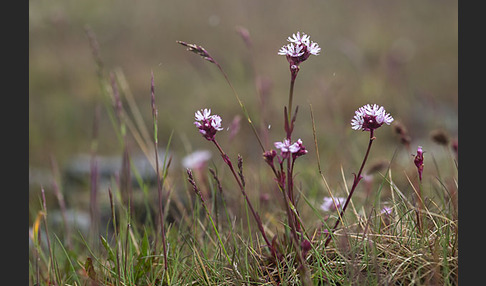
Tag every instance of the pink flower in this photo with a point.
(297, 149)
(301, 149)
(419, 161)
(328, 203)
(196, 159)
(208, 124)
(268, 156)
(299, 49)
(285, 146)
(386, 211)
(370, 117)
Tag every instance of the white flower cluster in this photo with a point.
(370, 117)
(208, 124)
(297, 148)
(299, 49)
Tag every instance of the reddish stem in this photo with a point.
(227, 160)
(357, 178)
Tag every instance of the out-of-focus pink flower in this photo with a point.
(234, 127)
(370, 117)
(328, 203)
(196, 159)
(386, 211)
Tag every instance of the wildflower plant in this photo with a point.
(298, 51)
(419, 163)
(208, 126)
(366, 118)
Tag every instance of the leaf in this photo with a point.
(144, 260)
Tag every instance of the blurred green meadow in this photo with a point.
(402, 55)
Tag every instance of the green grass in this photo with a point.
(373, 250)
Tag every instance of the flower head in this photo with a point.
(284, 146)
(299, 49)
(370, 117)
(386, 211)
(299, 39)
(301, 149)
(419, 161)
(268, 156)
(296, 149)
(328, 203)
(208, 124)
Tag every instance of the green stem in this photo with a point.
(294, 70)
(291, 95)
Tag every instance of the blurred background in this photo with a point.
(399, 54)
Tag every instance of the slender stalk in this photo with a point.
(94, 175)
(242, 188)
(357, 178)
(51, 254)
(126, 252)
(290, 191)
(293, 76)
(159, 180)
(420, 206)
(115, 231)
(242, 107)
(60, 198)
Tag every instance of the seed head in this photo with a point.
(440, 137)
(199, 50)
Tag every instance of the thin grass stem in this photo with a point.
(159, 180)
